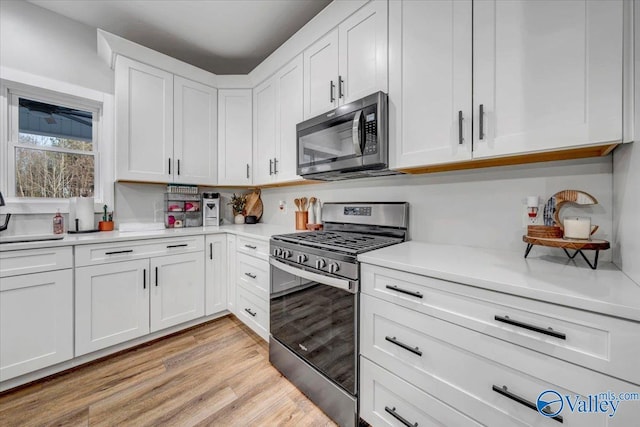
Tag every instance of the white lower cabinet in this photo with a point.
(251, 284)
(421, 363)
(36, 320)
(112, 304)
(127, 290)
(215, 287)
(177, 295)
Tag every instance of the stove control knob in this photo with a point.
(320, 263)
(334, 267)
(286, 254)
(277, 252)
(302, 258)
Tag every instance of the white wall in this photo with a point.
(626, 190)
(481, 208)
(37, 41)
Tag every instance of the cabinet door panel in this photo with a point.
(289, 113)
(264, 137)
(363, 52)
(216, 274)
(234, 136)
(36, 321)
(144, 121)
(112, 304)
(548, 74)
(429, 81)
(177, 290)
(196, 133)
(320, 71)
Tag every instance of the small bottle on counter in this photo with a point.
(58, 223)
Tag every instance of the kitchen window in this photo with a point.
(52, 148)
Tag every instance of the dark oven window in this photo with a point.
(317, 322)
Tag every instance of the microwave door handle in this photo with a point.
(310, 275)
(355, 134)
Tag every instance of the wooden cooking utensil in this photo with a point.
(296, 201)
(303, 203)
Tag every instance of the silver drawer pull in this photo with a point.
(414, 350)
(253, 276)
(398, 417)
(547, 331)
(128, 251)
(183, 245)
(404, 291)
(524, 402)
(250, 312)
(250, 246)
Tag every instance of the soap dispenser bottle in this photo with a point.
(58, 223)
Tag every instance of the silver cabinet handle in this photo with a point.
(331, 90)
(356, 134)
(481, 122)
(182, 245)
(460, 137)
(275, 165)
(210, 250)
(144, 278)
(398, 417)
(270, 166)
(156, 277)
(404, 291)
(521, 400)
(394, 340)
(340, 86)
(547, 331)
(250, 246)
(128, 251)
(250, 312)
(253, 276)
(169, 165)
(247, 170)
(178, 166)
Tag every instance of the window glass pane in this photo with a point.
(49, 125)
(42, 173)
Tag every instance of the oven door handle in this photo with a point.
(309, 275)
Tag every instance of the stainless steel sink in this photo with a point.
(30, 238)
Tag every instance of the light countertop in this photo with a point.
(256, 231)
(547, 278)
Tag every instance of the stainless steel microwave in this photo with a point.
(348, 142)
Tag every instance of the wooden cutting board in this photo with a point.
(254, 204)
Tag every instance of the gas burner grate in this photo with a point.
(342, 241)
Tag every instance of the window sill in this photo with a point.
(34, 206)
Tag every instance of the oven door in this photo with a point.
(315, 316)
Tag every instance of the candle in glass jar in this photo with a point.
(577, 228)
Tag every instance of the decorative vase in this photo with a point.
(238, 219)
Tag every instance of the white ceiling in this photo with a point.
(221, 36)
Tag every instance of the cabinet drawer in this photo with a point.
(464, 366)
(254, 247)
(600, 342)
(253, 311)
(136, 249)
(385, 399)
(253, 273)
(13, 263)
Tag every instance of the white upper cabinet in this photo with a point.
(277, 109)
(429, 82)
(547, 75)
(165, 126)
(321, 75)
(195, 132)
(348, 63)
(234, 137)
(264, 137)
(144, 122)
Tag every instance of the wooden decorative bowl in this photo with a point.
(544, 231)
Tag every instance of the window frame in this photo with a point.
(9, 126)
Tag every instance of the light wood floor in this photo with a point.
(214, 374)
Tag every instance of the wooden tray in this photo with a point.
(594, 244)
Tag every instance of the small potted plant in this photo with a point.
(238, 204)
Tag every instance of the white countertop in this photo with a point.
(554, 279)
(256, 231)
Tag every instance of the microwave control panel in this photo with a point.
(371, 132)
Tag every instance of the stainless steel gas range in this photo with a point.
(315, 283)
